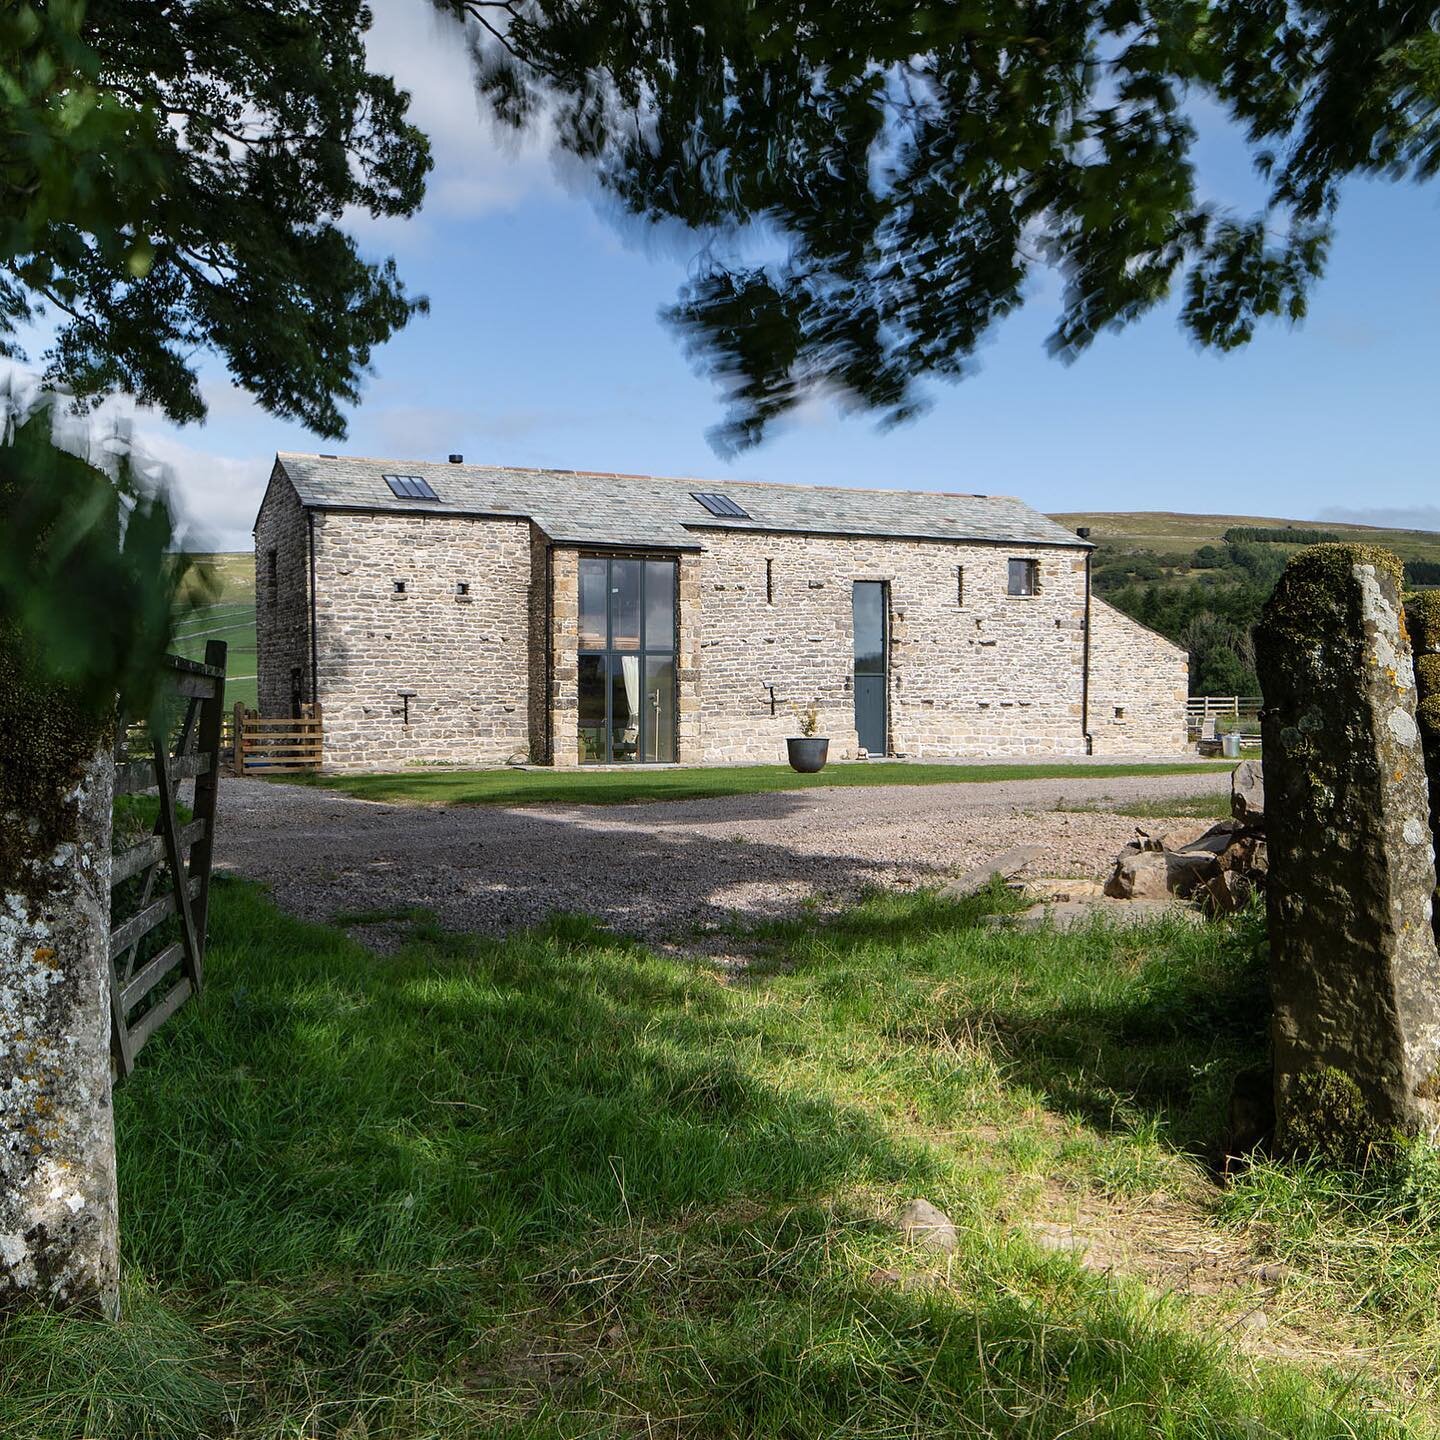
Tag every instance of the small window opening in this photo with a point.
(769, 582)
(1119, 712)
(960, 586)
(462, 587)
(399, 587)
(1024, 577)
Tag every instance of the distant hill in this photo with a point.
(1169, 533)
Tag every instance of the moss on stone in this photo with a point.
(1422, 616)
(1328, 1117)
(47, 736)
(1427, 716)
(1314, 593)
(1427, 675)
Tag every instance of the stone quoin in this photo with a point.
(478, 615)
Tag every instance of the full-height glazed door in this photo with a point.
(627, 659)
(871, 665)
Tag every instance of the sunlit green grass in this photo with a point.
(561, 1186)
(619, 787)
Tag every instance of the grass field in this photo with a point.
(1171, 533)
(561, 1186)
(228, 614)
(441, 786)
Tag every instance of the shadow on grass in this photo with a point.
(558, 1186)
(1121, 1028)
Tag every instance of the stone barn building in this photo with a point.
(478, 615)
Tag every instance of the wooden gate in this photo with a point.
(157, 953)
(278, 744)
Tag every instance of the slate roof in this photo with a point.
(654, 512)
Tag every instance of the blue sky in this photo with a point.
(544, 347)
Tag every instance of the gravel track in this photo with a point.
(666, 871)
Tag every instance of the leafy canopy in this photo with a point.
(877, 180)
(171, 181)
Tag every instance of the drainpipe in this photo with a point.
(1085, 667)
(549, 642)
(314, 639)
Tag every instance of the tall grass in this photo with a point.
(562, 1186)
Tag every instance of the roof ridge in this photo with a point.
(640, 475)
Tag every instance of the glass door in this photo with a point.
(871, 665)
(627, 659)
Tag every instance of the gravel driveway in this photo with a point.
(665, 871)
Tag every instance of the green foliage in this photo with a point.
(542, 1186)
(1422, 572)
(1279, 535)
(87, 603)
(172, 179)
(909, 167)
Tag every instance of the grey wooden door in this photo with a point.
(871, 664)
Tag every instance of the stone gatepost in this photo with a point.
(1355, 975)
(1422, 617)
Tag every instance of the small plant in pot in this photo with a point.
(808, 750)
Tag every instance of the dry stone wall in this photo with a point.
(282, 600)
(457, 634)
(1139, 682)
(973, 670)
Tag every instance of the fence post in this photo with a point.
(239, 737)
(207, 793)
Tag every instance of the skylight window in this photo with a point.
(722, 505)
(410, 487)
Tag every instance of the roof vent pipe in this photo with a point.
(457, 459)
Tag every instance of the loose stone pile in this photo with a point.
(1219, 870)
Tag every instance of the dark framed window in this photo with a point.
(1024, 578)
(627, 641)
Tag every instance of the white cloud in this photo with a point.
(1391, 517)
(480, 166)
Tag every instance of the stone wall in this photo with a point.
(973, 671)
(464, 652)
(282, 600)
(1139, 682)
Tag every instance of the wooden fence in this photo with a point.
(157, 953)
(1205, 715)
(278, 744)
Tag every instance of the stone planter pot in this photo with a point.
(807, 753)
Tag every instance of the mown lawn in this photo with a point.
(619, 787)
(562, 1186)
